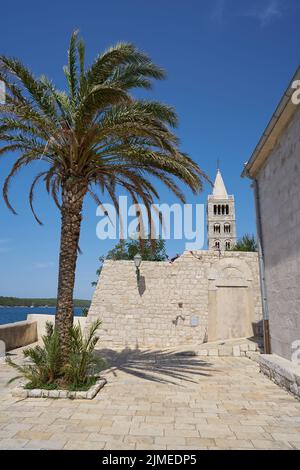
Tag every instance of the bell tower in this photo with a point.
(221, 226)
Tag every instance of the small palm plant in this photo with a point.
(45, 368)
(79, 370)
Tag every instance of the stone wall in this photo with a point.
(283, 372)
(279, 194)
(173, 302)
(18, 334)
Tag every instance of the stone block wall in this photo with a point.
(170, 306)
(283, 372)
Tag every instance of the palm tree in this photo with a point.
(94, 135)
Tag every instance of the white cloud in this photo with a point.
(4, 245)
(266, 12)
(263, 11)
(44, 265)
(218, 11)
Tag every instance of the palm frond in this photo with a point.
(71, 69)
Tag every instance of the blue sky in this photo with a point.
(228, 63)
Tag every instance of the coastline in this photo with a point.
(13, 314)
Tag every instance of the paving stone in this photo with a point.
(146, 430)
(12, 443)
(168, 432)
(53, 444)
(16, 427)
(295, 437)
(160, 419)
(41, 436)
(121, 429)
(170, 441)
(251, 429)
(96, 436)
(267, 444)
(234, 444)
(110, 446)
(72, 445)
(72, 436)
(253, 435)
(147, 440)
(215, 432)
(199, 442)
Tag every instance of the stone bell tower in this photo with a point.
(221, 227)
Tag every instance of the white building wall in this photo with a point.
(279, 193)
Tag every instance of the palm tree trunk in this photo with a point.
(71, 215)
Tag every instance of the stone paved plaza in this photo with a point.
(158, 400)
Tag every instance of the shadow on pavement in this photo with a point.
(162, 366)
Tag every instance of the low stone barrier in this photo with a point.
(239, 347)
(229, 348)
(43, 319)
(18, 334)
(281, 371)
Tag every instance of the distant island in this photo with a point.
(28, 302)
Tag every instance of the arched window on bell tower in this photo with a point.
(227, 228)
(217, 228)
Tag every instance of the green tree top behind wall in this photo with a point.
(127, 249)
(246, 243)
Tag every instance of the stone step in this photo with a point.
(237, 348)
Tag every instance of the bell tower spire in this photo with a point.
(221, 225)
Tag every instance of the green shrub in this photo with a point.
(45, 368)
(44, 363)
(246, 243)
